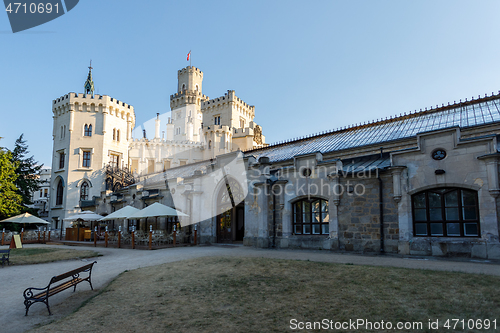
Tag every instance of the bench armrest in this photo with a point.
(28, 293)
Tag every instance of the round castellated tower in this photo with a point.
(89, 132)
(186, 119)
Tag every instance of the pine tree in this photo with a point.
(28, 172)
(10, 199)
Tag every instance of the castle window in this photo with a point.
(242, 123)
(183, 87)
(84, 191)
(87, 130)
(61, 160)
(446, 212)
(166, 165)
(210, 144)
(151, 166)
(45, 193)
(114, 134)
(60, 190)
(114, 161)
(217, 120)
(311, 217)
(86, 159)
(117, 135)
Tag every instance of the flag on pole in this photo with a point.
(189, 55)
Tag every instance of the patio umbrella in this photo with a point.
(85, 216)
(156, 210)
(121, 214)
(25, 218)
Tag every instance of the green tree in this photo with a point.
(28, 172)
(10, 199)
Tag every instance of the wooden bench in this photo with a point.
(70, 279)
(5, 256)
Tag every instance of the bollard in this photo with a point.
(119, 236)
(38, 235)
(95, 236)
(175, 235)
(133, 237)
(106, 237)
(150, 236)
(195, 233)
(43, 235)
(3, 235)
(48, 240)
(22, 234)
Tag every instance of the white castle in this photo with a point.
(94, 152)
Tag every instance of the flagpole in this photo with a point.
(189, 58)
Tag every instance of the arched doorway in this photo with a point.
(231, 212)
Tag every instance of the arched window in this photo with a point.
(183, 87)
(114, 134)
(446, 212)
(117, 135)
(88, 130)
(311, 217)
(84, 191)
(210, 144)
(60, 191)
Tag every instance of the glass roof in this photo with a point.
(467, 114)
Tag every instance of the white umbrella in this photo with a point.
(121, 214)
(85, 215)
(25, 218)
(156, 210)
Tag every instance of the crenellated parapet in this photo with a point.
(228, 100)
(186, 97)
(79, 102)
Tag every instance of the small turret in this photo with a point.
(88, 87)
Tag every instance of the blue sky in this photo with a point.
(307, 66)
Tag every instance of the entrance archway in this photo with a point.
(231, 208)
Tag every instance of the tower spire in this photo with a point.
(88, 87)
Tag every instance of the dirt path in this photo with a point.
(14, 279)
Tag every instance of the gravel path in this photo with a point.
(14, 279)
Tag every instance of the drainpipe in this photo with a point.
(271, 181)
(381, 212)
(274, 218)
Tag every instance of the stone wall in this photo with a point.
(359, 215)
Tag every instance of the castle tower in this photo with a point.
(89, 132)
(186, 105)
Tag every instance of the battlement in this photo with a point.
(97, 103)
(239, 132)
(229, 97)
(189, 93)
(189, 69)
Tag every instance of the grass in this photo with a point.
(263, 295)
(34, 255)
